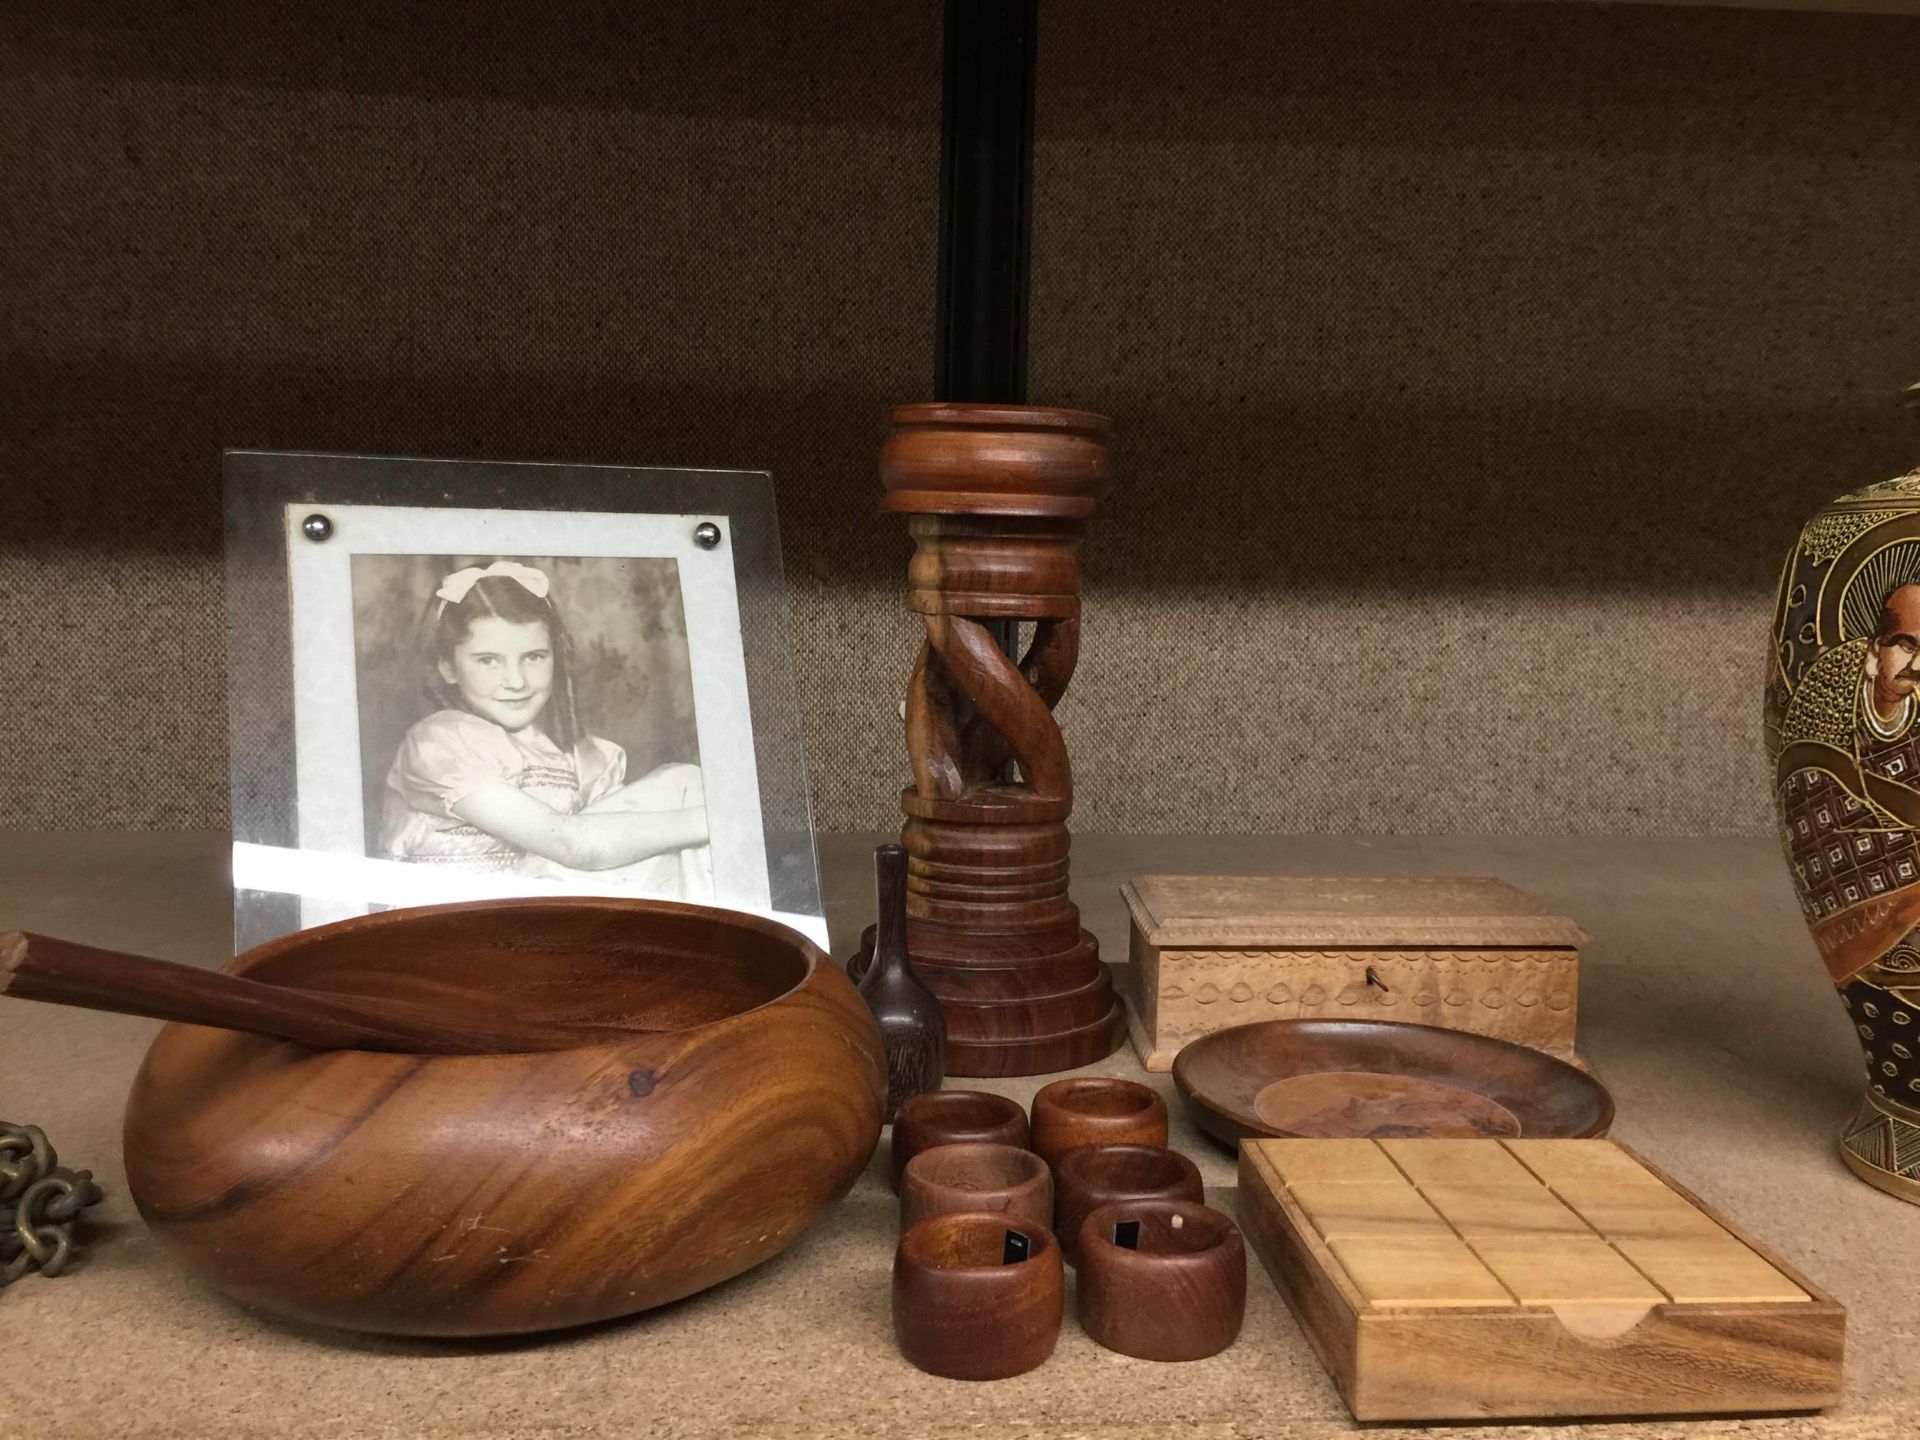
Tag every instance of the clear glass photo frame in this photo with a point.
(419, 648)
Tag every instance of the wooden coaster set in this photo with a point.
(986, 1227)
(1473, 1279)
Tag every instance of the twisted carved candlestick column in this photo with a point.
(998, 496)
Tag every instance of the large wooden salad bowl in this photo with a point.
(505, 1193)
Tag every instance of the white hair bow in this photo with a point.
(454, 588)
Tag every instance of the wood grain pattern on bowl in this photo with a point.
(496, 1194)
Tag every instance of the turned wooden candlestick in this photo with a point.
(998, 497)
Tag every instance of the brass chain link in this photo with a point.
(40, 1199)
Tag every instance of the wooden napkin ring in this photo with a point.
(949, 1179)
(953, 1117)
(1095, 1110)
(1162, 1279)
(1098, 1175)
(977, 1296)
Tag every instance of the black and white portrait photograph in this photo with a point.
(490, 703)
(531, 715)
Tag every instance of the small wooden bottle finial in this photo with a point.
(913, 1029)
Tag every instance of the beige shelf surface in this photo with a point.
(1702, 1005)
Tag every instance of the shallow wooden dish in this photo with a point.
(1358, 1079)
(500, 1194)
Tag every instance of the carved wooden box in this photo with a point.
(1476, 1279)
(1212, 951)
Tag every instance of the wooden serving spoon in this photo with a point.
(38, 967)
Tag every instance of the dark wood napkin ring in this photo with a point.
(963, 1309)
(1178, 1291)
(1095, 1110)
(953, 1117)
(1097, 1175)
(1002, 1179)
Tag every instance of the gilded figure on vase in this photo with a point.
(1842, 735)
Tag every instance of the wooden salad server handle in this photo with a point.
(38, 967)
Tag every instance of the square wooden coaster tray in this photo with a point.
(1475, 1279)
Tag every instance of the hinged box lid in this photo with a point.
(1247, 912)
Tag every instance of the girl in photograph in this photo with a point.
(500, 777)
